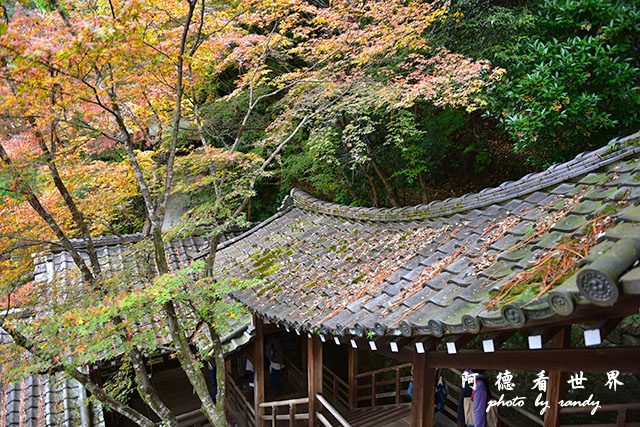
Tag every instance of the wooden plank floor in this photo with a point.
(388, 416)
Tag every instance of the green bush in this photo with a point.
(573, 84)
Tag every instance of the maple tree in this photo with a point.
(96, 98)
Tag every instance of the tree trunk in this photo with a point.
(348, 187)
(221, 378)
(391, 193)
(423, 186)
(375, 197)
(102, 396)
(24, 342)
(210, 260)
(148, 392)
(190, 366)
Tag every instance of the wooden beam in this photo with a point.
(404, 353)
(353, 371)
(424, 384)
(498, 338)
(556, 384)
(258, 369)
(314, 372)
(546, 333)
(605, 326)
(271, 328)
(623, 359)
(463, 340)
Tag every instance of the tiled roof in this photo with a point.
(437, 268)
(45, 401)
(54, 400)
(114, 254)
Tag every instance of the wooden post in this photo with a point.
(292, 415)
(258, 369)
(398, 386)
(373, 390)
(274, 414)
(305, 356)
(314, 375)
(353, 371)
(424, 386)
(556, 380)
(621, 421)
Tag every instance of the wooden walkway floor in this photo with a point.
(388, 416)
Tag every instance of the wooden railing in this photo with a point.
(386, 383)
(292, 414)
(295, 375)
(194, 418)
(242, 411)
(621, 420)
(333, 411)
(334, 387)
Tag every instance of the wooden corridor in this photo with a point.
(381, 416)
(388, 416)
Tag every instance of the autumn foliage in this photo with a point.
(106, 107)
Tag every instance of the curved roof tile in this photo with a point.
(438, 268)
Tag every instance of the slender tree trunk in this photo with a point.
(211, 257)
(349, 188)
(423, 186)
(221, 377)
(102, 396)
(148, 391)
(375, 197)
(190, 366)
(391, 193)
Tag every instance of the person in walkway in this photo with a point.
(465, 395)
(441, 391)
(249, 368)
(480, 397)
(273, 351)
(440, 398)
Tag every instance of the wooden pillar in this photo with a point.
(556, 385)
(258, 369)
(353, 371)
(314, 375)
(305, 356)
(424, 387)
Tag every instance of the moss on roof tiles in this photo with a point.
(632, 215)
(349, 265)
(570, 223)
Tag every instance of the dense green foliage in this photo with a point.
(570, 85)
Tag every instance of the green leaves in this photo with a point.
(573, 86)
